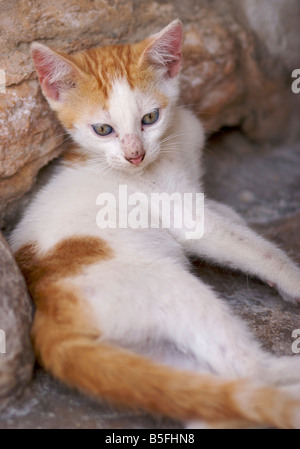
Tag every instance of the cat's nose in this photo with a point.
(136, 158)
(132, 147)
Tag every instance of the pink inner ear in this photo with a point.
(39, 63)
(55, 73)
(174, 66)
(51, 90)
(166, 51)
(175, 37)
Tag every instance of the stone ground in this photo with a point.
(263, 184)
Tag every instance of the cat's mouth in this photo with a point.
(136, 160)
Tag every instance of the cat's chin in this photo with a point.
(128, 169)
(133, 169)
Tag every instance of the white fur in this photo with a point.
(145, 295)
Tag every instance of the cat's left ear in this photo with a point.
(165, 49)
(56, 72)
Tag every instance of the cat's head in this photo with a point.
(115, 101)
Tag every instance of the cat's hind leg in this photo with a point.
(179, 308)
(219, 340)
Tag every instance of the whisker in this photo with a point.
(180, 145)
(60, 143)
(63, 134)
(174, 136)
(197, 112)
(187, 105)
(207, 149)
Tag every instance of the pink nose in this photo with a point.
(132, 147)
(137, 159)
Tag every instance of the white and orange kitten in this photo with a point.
(119, 315)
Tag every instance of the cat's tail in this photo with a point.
(102, 370)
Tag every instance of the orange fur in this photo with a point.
(66, 259)
(68, 344)
(97, 69)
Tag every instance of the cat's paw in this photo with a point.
(288, 284)
(289, 296)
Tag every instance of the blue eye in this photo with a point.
(151, 117)
(102, 130)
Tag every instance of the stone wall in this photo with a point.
(16, 355)
(238, 57)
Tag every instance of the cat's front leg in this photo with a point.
(231, 243)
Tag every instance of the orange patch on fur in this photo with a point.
(60, 317)
(104, 64)
(99, 68)
(61, 314)
(67, 258)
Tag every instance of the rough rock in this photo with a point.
(237, 69)
(264, 187)
(16, 356)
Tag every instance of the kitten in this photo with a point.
(119, 315)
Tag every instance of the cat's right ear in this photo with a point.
(165, 49)
(55, 71)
